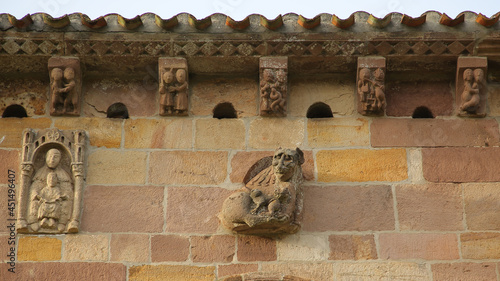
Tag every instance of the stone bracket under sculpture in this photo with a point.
(271, 201)
(370, 85)
(471, 86)
(52, 181)
(173, 89)
(273, 86)
(65, 86)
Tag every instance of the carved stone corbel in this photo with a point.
(273, 86)
(174, 85)
(52, 181)
(65, 86)
(370, 85)
(471, 87)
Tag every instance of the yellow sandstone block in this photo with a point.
(159, 133)
(220, 134)
(11, 129)
(39, 249)
(329, 132)
(117, 167)
(275, 132)
(102, 131)
(171, 272)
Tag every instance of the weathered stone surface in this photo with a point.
(68, 271)
(303, 248)
(352, 247)
(216, 133)
(169, 248)
(5, 214)
(306, 270)
(480, 246)
(276, 132)
(12, 129)
(370, 84)
(171, 272)
(338, 132)
(253, 248)
(28, 93)
(101, 131)
(358, 165)
(217, 248)
(123, 209)
(86, 247)
(187, 167)
(430, 207)
(10, 161)
(348, 208)
(434, 132)
(482, 206)
(171, 133)
(404, 97)
(194, 209)
(471, 164)
(427, 246)
(207, 92)
(336, 93)
(129, 247)
(494, 98)
(140, 96)
(116, 167)
(233, 269)
(463, 271)
(380, 271)
(32, 248)
(470, 83)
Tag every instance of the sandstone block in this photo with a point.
(217, 248)
(123, 209)
(187, 167)
(4, 215)
(32, 248)
(352, 247)
(494, 98)
(358, 165)
(300, 271)
(338, 132)
(480, 246)
(216, 133)
(171, 272)
(116, 167)
(101, 131)
(10, 161)
(430, 207)
(234, 269)
(129, 247)
(171, 133)
(380, 271)
(28, 93)
(303, 248)
(481, 206)
(253, 248)
(434, 132)
(11, 129)
(169, 248)
(86, 247)
(272, 133)
(463, 271)
(194, 209)
(5, 248)
(427, 246)
(472, 164)
(348, 208)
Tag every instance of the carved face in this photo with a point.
(181, 75)
(53, 158)
(69, 73)
(56, 74)
(285, 161)
(168, 77)
(478, 75)
(364, 73)
(268, 75)
(468, 74)
(379, 74)
(52, 179)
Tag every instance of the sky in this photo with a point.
(239, 9)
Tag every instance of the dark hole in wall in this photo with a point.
(422, 112)
(117, 110)
(14, 110)
(224, 110)
(319, 110)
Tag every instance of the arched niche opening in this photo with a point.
(14, 110)
(117, 110)
(422, 112)
(319, 110)
(224, 110)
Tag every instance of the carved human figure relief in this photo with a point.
(271, 201)
(273, 86)
(173, 89)
(471, 86)
(52, 181)
(65, 86)
(371, 85)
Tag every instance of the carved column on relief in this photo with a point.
(273, 86)
(65, 86)
(471, 85)
(370, 84)
(173, 88)
(52, 181)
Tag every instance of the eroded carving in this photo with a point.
(273, 86)
(471, 86)
(50, 200)
(271, 201)
(371, 86)
(65, 86)
(173, 86)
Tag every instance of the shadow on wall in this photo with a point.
(14, 110)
